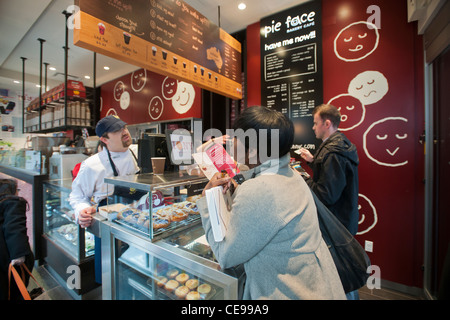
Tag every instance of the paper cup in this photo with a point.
(158, 165)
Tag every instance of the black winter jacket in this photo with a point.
(335, 178)
(13, 238)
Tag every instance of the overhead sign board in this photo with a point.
(168, 37)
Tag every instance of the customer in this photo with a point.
(273, 228)
(335, 167)
(335, 170)
(14, 245)
(89, 189)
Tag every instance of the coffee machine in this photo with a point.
(152, 145)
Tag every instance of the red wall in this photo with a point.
(385, 125)
(144, 96)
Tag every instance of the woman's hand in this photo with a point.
(218, 180)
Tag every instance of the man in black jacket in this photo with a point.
(335, 167)
(14, 245)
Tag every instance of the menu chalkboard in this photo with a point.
(291, 75)
(165, 36)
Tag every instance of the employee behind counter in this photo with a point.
(115, 159)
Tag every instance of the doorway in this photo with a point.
(438, 216)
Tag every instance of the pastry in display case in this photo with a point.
(143, 276)
(171, 207)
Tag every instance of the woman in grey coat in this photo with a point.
(273, 228)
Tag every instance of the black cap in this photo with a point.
(109, 124)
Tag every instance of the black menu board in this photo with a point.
(291, 62)
(165, 36)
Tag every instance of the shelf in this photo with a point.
(61, 128)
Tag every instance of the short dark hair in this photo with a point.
(257, 118)
(328, 112)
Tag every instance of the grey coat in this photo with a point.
(273, 230)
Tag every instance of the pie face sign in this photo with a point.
(164, 36)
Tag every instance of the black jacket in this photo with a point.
(335, 178)
(13, 238)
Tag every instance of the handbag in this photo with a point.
(350, 258)
(20, 281)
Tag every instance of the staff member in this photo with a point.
(89, 189)
(273, 228)
(115, 159)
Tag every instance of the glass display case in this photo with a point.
(59, 221)
(65, 243)
(162, 263)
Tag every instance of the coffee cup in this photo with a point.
(158, 164)
(101, 28)
(126, 37)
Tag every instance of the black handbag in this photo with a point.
(350, 258)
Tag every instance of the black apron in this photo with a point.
(123, 194)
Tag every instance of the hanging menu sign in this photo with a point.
(291, 75)
(165, 36)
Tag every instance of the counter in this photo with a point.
(154, 263)
(31, 190)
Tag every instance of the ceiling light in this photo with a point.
(52, 68)
(242, 6)
(87, 77)
(106, 67)
(38, 86)
(15, 81)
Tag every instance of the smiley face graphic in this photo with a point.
(155, 108)
(369, 87)
(368, 217)
(125, 100)
(356, 41)
(138, 80)
(385, 142)
(119, 88)
(352, 111)
(169, 88)
(183, 98)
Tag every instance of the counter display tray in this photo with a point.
(139, 219)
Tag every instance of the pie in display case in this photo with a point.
(172, 197)
(135, 268)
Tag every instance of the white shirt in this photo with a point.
(89, 188)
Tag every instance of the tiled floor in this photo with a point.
(54, 291)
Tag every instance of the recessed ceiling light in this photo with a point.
(15, 81)
(242, 6)
(106, 67)
(38, 86)
(52, 68)
(87, 77)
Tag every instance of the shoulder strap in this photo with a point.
(19, 283)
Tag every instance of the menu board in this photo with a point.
(165, 36)
(291, 75)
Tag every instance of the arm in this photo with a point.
(331, 181)
(83, 189)
(247, 234)
(15, 229)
